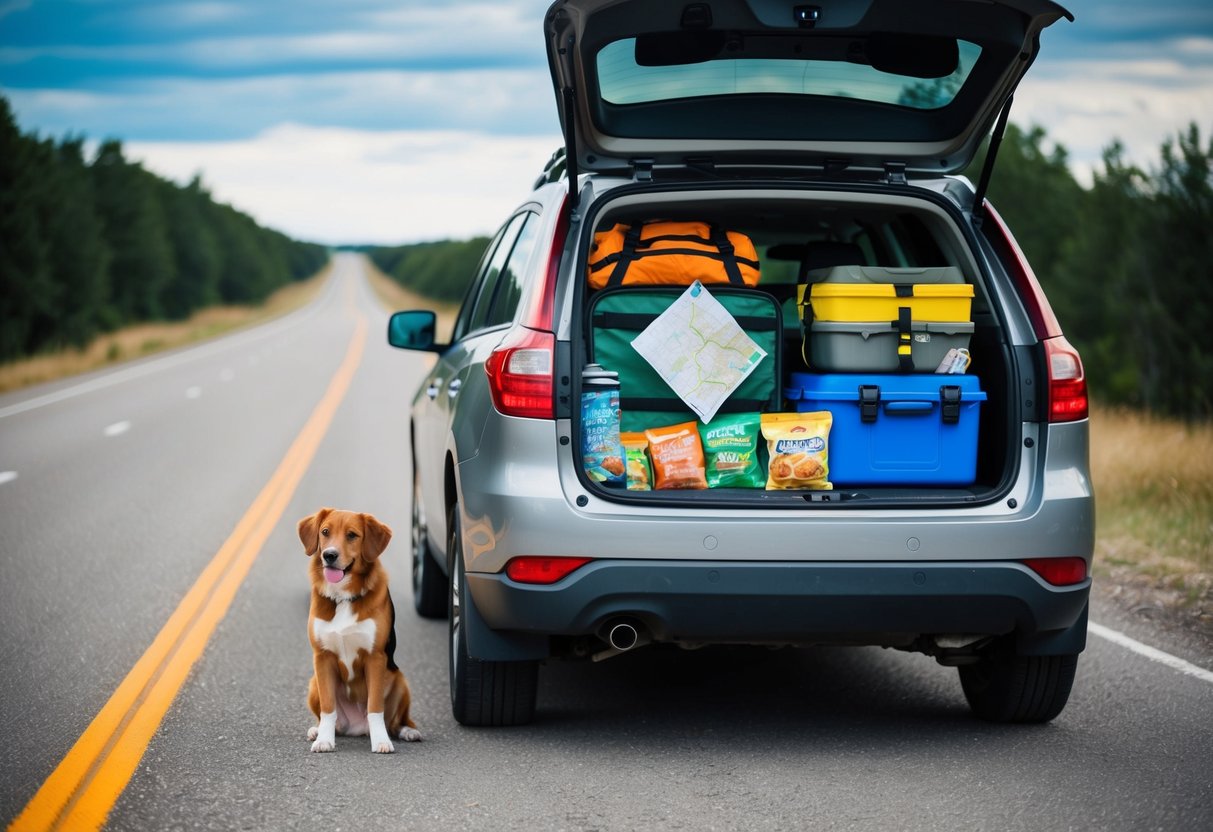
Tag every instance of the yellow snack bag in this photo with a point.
(636, 455)
(798, 446)
(677, 454)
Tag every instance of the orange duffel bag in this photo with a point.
(671, 254)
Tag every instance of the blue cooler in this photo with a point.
(896, 429)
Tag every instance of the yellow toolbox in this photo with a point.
(906, 301)
(882, 301)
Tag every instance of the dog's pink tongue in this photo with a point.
(333, 576)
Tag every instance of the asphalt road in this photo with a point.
(118, 489)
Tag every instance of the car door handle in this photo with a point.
(452, 389)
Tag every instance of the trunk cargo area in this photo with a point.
(870, 306)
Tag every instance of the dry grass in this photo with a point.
(392, 297)
(145, 339)
(1154, 499)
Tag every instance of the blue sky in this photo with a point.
(394, 120)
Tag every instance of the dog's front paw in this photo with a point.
(383, 747)
(324, 734)
(410, 734)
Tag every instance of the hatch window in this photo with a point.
(628, 74)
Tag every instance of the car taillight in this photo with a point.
(1059, 571)
(538, 314)
(521, 374)
(531, 569)
(1067, 383)
(1044, 322)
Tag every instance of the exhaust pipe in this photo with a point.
(622, 635)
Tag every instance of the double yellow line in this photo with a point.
(83, 788)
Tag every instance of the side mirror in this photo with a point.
(413, 330)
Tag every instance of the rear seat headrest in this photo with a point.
(825, 254)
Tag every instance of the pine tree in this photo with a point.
(133, 216)
(27, 289)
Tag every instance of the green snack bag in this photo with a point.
(730, 444)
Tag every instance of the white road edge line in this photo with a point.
(7, 476)
(1173, 662)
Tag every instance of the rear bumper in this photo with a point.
(797, 603)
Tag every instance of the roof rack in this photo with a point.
(553, 171)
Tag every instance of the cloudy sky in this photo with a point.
(394, 121)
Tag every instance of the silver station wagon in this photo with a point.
(837, 410)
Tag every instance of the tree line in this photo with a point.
(1127, 262)
(439, 270)
(90, 245)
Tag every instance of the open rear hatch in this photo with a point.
(838, 85)
(770, 96)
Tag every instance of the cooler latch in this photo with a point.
(949, 397)
(869, 402)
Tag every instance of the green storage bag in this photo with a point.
(616, 316)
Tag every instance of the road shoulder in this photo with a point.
(1145, 609)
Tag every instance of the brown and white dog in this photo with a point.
(356, 689)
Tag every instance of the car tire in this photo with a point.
(429, 588)
(1006, 687)
(483, 693)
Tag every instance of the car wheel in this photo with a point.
(429, 589)
(483, 692)
(1006, 687)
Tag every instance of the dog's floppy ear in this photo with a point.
(309, 530)
(377, 537)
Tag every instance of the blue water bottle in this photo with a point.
(601, 448)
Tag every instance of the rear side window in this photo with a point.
(509, 284)
(487, 287)
(464, 319)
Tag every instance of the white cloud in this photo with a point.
(510, 101)
(410, 46)
(333, 185)
(1084, 105)
(410, 36)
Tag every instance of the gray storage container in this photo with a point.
(845, 347)
(887, 274)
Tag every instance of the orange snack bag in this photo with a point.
(677, 453)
